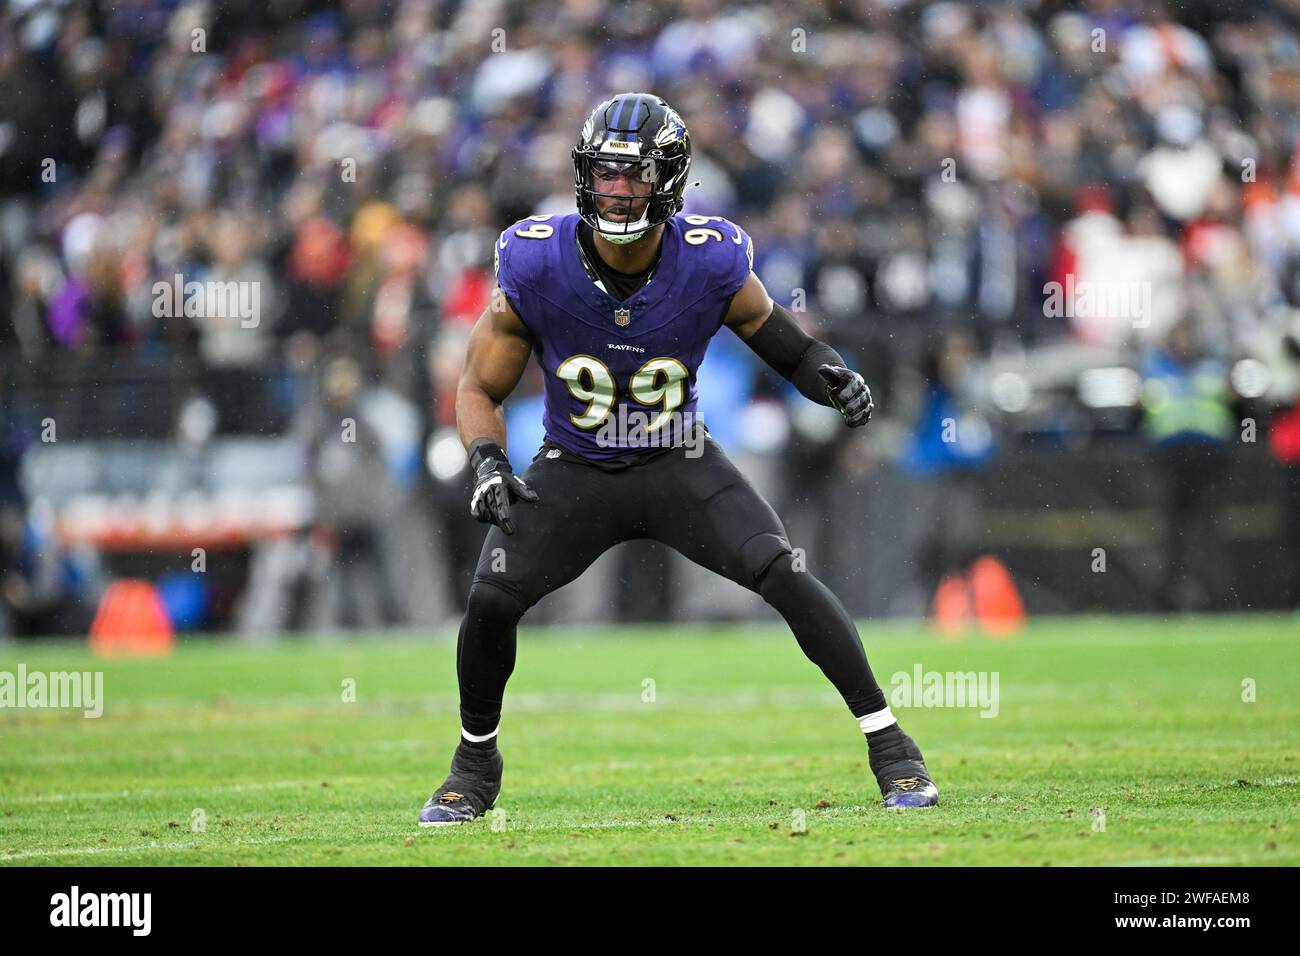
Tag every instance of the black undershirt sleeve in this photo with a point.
(793, 353)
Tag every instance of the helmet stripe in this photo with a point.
(636, 111)
(618, 115)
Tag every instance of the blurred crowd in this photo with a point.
(916, 177)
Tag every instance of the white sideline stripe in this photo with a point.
(253, 708)
(560, 824)
(93, 850)
(1190, 861)
(592, 767)
(875, 812)
(706, 760)
(169, 792)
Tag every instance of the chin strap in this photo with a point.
(621, 238)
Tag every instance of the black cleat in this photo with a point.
(900, 771)
(469, 791)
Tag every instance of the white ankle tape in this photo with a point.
(877, 721)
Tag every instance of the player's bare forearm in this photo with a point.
(498, 353)
(750, 308)
(478, 416)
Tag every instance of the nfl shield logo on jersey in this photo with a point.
(622, 316)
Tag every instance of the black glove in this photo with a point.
(848, 392)
(495, 484)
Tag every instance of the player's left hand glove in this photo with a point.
(848, 392)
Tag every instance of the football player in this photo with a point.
(618, 303)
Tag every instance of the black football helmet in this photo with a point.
(636, 135)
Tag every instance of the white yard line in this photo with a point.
(688, 818)
(95, 850)
(1255, 859)
(525, 702)
(695, 821)
(167, 792)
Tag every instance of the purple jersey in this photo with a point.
(620, 375)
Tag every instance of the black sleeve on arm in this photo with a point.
(794, 353)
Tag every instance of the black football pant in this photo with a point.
(701, 506)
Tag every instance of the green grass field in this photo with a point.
(1142, 719)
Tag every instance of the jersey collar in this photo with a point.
(593, 292)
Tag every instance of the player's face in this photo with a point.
(621, 183)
